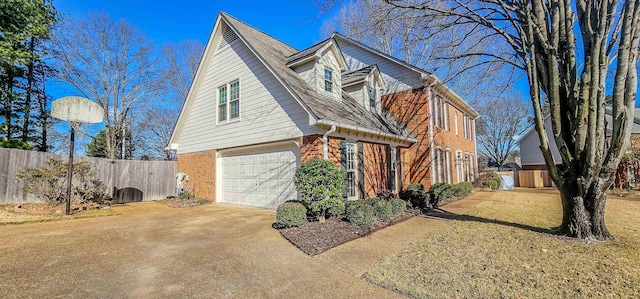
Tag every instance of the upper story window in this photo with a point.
(373, 98)
(229, 101)
(328, 80)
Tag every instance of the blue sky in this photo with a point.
(295, 22)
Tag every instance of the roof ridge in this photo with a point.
(307, 48)
(258, 30)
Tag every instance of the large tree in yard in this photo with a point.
(567, 49)
(113, 64)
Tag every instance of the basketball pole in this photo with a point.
(70, 172)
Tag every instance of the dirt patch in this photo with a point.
(317, 237)
(41, 212)
(176, 202)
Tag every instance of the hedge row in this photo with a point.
(416, 197)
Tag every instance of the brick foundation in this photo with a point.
(201, 169)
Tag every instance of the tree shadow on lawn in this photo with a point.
(446, 215)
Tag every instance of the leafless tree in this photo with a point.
(111, 63)
(566, 49)
(423, 42)
(502, 121)
(181, 63)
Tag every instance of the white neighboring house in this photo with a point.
(531, 155)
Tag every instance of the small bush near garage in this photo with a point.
(317, 180)
(360, 213)
(328, 207)
(398, 206)
(290, 214)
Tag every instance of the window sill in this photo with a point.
(228, 122)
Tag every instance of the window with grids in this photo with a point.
(229, 101)
(328, 80)
(350, 171)
(372, 98)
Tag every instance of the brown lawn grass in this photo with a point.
(7, 216)
(504, 247)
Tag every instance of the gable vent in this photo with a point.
(228, 36)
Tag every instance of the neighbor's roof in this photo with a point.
(347, 111)
(635, 127)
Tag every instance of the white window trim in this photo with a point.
(355, 168)
(228, 103)
(455, 119)
(325, 81)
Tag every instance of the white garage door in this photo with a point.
(261, 177)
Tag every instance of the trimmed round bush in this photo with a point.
(415, 187)
(398, 206)
(489, 180)
(328, 207)
(318, 179)
(439, 192)
(415, 198)
(382, 210)
(291, 214)
(386, 194)
(360, 213)
(465, 188)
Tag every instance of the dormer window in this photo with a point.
(328, 80)
(372, 98)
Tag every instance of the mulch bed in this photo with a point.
(176, 202)
(315, 237)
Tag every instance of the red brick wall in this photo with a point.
(201, 169)
(375, 168)
(412, 108)
(448, 138)
(311, 147)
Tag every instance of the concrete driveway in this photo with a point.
(212, 251)
(153, 251)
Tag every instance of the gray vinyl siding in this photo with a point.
(530, 153)
(395, 76)
(268, 112)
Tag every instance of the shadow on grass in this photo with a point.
(446, 215)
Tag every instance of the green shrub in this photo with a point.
(360, 213)
(465, 188)
(415, 198)
(317, 180)
(291, 214)
(489, 180)
(382, 210)
(398, 206)
(184, 195)
(328, 207)
(14, 143)
(439, 192)
(50, 183)
(202, 201)
(415, 187)
(386, 195)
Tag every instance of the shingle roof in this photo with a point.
(308, 51)
(357, 75)
(347, 111)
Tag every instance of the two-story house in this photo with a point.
(258, 107)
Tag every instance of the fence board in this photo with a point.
(534, 179)
(125, 180)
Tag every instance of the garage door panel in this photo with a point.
(261, 177)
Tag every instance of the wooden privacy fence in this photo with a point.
(534, 179)
(126, 180)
